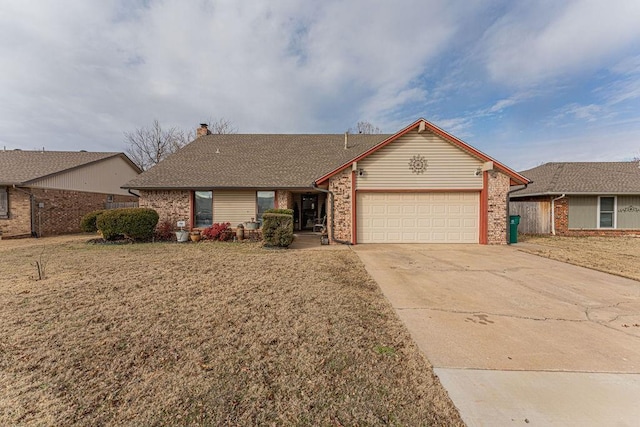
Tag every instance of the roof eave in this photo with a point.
(220, 187)
(577, 193)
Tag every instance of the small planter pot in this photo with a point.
(182, 236)
(195, 236)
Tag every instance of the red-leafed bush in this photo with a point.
(164, 231)
(218, 231)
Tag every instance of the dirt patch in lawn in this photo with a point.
(204, 334)
(616, 255)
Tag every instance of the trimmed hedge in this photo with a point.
(280, 211)
(88, 222)
(133, 223)
(277, 229)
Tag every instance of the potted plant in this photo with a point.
(251, 225)
(195, 235)
(182, 235)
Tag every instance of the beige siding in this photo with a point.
(628, 212)
(102, 177)
(235, 207)
(583, 212)
(535, 216)
(448, 167)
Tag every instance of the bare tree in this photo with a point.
(221, 126)
(366, 127)
(149, 146)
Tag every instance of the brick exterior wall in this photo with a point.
(561, 219)
(171, 205)
(61, 212)
(497, 221)
(19, 221)
(341, 186)
(285, 199)
(561, 216)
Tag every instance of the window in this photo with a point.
(203, 208)
(4, 203)
(606, 212)
(266, 200)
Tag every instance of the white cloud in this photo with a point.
(75, 75)
(81, 73)
(537, 41)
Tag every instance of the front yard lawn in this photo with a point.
(204, 334)
(616, 255)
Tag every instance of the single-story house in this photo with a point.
(46, 193)
(420, 184)
(580, 199)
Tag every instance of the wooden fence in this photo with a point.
(535, 217)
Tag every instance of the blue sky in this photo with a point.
(525, 82)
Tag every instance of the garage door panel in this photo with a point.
(409, 222)
(418, 217)
(377, 222)
(438, 223)
(454, 222)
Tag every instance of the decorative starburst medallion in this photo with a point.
(418, 164)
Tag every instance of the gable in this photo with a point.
(421, 126)
(447, 166)
(104, 176)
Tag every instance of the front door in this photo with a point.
(309, 211)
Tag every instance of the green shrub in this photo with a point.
(132, 223)
(277, 229)
(88, 222)
(280, 211)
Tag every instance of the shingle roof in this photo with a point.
(582, 178)
(254, 161)
(18, 167)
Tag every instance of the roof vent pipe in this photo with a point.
(346, 135)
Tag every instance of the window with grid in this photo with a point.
(607, 212)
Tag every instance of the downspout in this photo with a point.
(553, 214)
(132, 193)
(331, 225)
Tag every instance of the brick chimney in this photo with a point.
(203, 130)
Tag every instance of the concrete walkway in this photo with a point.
(516, 338)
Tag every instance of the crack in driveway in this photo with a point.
(480, 313)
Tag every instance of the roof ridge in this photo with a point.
(556, 175)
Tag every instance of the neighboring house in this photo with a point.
(418, 185)
(45, 193)
(580, 199)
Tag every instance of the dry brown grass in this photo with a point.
(204, 334)
(616, 255)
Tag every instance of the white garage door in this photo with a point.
(418, 217)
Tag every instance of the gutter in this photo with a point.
(331, 225)
(553, 213)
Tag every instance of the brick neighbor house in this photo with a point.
(47, 193)
(420, 184)
(580, 199)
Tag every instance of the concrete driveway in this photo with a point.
(516, 338)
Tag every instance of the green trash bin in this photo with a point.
(514, 220)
